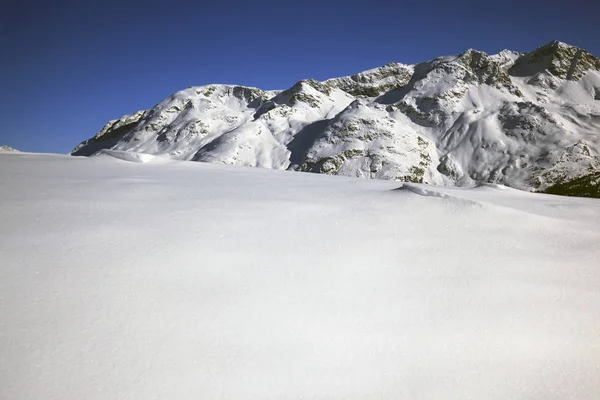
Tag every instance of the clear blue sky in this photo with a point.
(67, 67)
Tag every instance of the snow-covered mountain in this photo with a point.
(7, 148)
(527, 120)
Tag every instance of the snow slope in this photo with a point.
(134, 277)
(526, 120)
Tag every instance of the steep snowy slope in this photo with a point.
(162, 279)
(527, 120)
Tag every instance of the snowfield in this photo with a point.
(135, 277)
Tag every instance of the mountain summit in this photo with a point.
(526, 120)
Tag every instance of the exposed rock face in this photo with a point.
(559, 60)
(583, 186)
(7, 148)
(527, 120)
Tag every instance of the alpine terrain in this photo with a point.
(526, 120)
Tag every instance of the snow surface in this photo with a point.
(132, 280)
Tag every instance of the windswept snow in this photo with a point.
(132, 280)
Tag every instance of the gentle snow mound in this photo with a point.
(429, 191)
(133, 157)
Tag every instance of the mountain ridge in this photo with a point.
(527, 120)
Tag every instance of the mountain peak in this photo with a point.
(8, 148)
(558, 43)
(559, 60)
(471, 51)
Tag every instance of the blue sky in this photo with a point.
(68, 67)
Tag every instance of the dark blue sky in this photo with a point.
(68, 67)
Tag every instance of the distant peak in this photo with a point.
(7, 148)
(559, 59)
(508, 52)
(558, 43)
(472, 51)
(394, 64)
